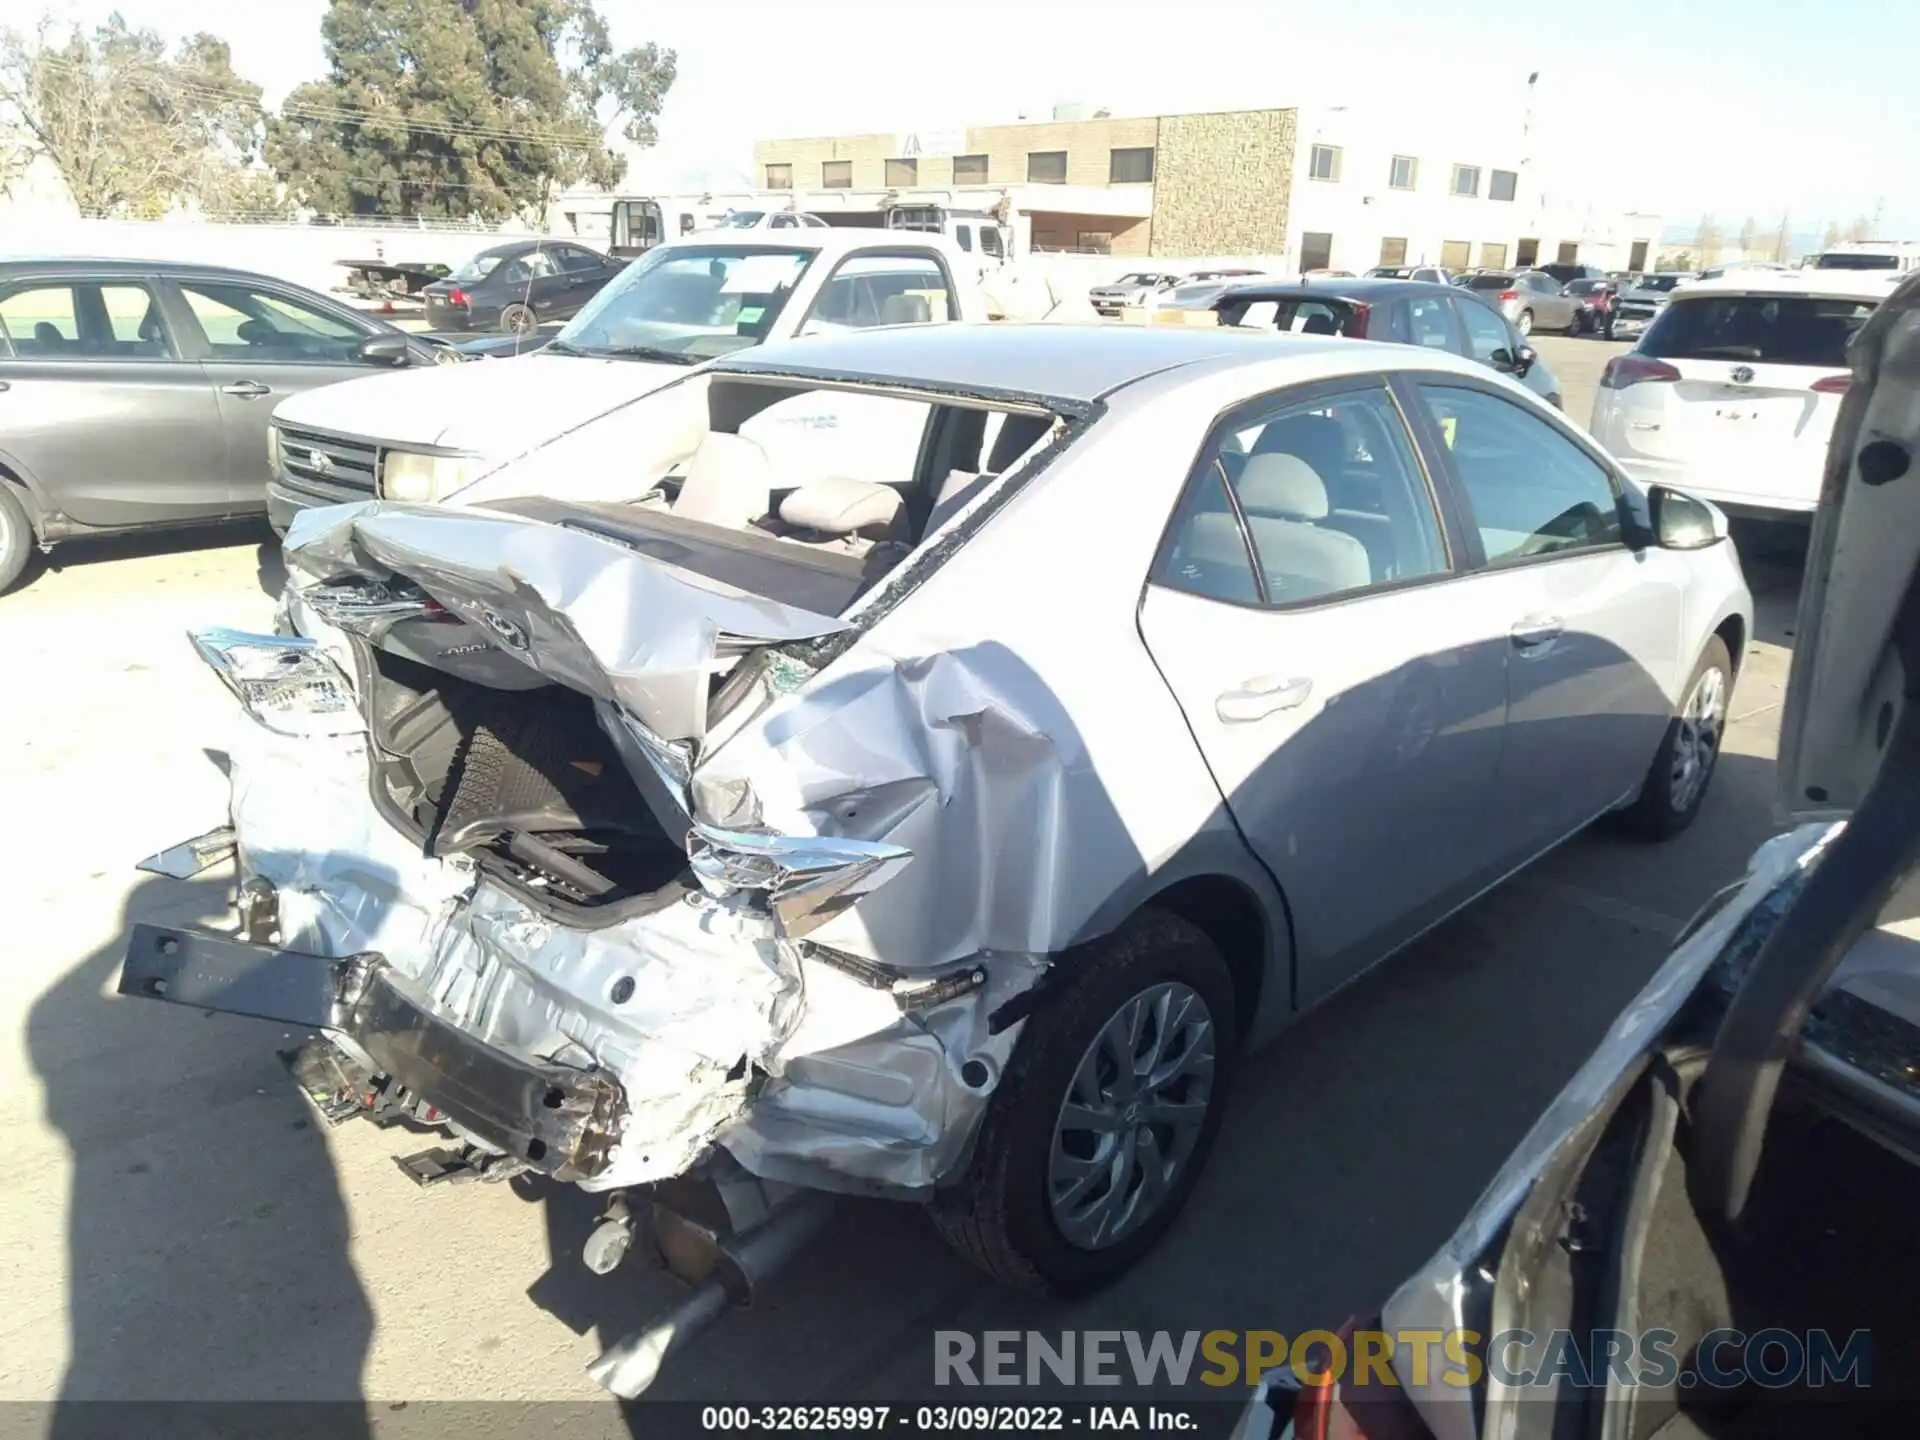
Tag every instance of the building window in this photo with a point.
(1501, 185)
(1405, 173)
(779, 177)
(1324, 163)
(1569, 252)
(1466, 179)
(969, 169)
(903, 172)
(1527, 254)
(1393, 250)
(1130, 167)
(1046, 167)
(836, 174)
(1637, 257)
(1316, 250)
(1097, 242)
(1454, 254)
(1493, 256)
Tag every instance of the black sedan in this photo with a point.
(135, 394)
(519, 286)
(1406, 312)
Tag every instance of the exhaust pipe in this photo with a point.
(745, 1262)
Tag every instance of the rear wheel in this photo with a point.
(1677, 780)
(1100, 1126)
(16, 539)
(517, 319)
(1525, 323)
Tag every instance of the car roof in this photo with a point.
(1074, 365)
(829, 241)
(1816, 284)
(1362, 287)
(49, 264)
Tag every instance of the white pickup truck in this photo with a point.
(419, 434)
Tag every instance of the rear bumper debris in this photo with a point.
(558, 1120)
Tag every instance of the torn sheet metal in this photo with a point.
(867, 1095)
(687, 1007)
(805, 879)
(581, 609)
(964, 758)
(188, 858)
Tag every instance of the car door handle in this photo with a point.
(1535, 631)
(246, 389)
(1257, 699)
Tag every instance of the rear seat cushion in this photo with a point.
(728, 482)
(836, 505)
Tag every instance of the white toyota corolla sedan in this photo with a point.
(683, 805)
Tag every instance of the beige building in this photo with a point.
(1178, 184)
(1310, 187)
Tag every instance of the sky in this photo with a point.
(1678, 107)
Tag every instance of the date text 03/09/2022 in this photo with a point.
(963, 1419)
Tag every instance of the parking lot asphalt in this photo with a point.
(176, 1226)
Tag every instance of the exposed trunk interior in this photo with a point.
(1827, 1247)
(525, 780)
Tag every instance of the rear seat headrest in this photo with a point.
(1283, 485)
(837, 505)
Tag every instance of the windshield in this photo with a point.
(1490, 282)
(1141, 279)
(477, 269)
(689, 302)
(1587, 287)
(1769, 329)
(742, 219)
(1853, 260)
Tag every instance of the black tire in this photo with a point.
(999, 1215)
(1525, 323)
(518, 319)
(1659, 813)
(16, 539)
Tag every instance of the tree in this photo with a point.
(1749, 237)
(1706, 240)
(1782, 241)
(1832, 236)
(132, 131)
(1859, 228)
(464, 109)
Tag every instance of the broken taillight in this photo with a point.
(287, 683)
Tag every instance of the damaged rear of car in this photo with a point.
(640, 831)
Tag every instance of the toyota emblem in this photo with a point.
(1743, 374)
(321, 462)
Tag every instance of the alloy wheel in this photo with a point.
(1132, 1116)
(1698, 743)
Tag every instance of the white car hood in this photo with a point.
(1847, 683)
(495, 408)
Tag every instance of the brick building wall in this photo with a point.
(1088, 144)
(1221, 183)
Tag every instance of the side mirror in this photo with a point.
(1681, 522)
(1514, 362)
(390, 348)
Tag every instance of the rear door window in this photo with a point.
(868, 290)
(1299, 317)
(1759, 329)
(85, 320)
(1429, 322)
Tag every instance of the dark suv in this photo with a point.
(135, 394)
(1405, 312)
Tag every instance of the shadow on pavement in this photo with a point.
(1774, 557)
(207, 1236)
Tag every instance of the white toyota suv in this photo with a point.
(1732, 392)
